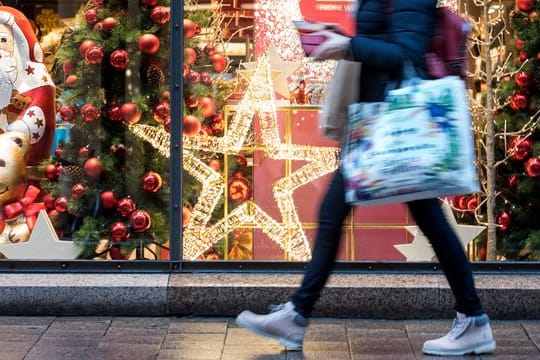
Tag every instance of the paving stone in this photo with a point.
(189, 354)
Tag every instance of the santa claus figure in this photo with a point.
(27, 93)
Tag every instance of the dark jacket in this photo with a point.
(388, 33)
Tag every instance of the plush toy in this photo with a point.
(17, 201)
(27, 93)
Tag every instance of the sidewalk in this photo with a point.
(134, 338)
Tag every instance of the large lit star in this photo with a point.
(420, 249)
(282, 70)
(287, 232)
(42, 245)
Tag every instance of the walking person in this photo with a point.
(388, 33)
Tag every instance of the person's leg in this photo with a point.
(429, 217)
(288, 322)
(470, 331)
(332, 213)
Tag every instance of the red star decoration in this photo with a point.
(29, 70)
(31, 113)
(39, 123)
(44, 78)
(35, 136)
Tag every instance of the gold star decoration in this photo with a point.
(280, 70)
(420, 249)
(287, 232)
(43, 244)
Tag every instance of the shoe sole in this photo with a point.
(289, 345)
(480, 349)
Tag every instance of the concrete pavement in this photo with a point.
(161, 338)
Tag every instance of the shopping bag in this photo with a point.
(416, 144)
(343, 90)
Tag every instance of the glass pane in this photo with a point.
(89, 78)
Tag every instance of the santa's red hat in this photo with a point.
(24, 34)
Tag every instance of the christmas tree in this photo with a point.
(107, 189)
(506, 123)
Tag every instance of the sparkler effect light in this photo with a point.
(287, 232)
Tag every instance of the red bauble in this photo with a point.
(513, 181)
(194, 77)
(185, 70)
(525, 5)
(209, 50)
(483, 253)
(71, 80)
(67, 66)
(241, 160)
(125, 206)
(108, 24)
(206, 78)
(504, 220)
(192, 102)
(140, 220)
(78, 191)
(98, 2)
(162, 112)
(51, 172)
(84, 152)
(85, 45)
(533, 16)
(205, 131)
(93, 167)
(91, 16)
(90, 113)
(219, 62)
(460, 202)
(523, 79)
(190, 28)
(114, 113)
(520, 148)
(61, 204)
(119, 59)
(152, 182)
(207, 106)
(191, 125)
(523, 56)
(108, 200)
(149, 2)
(116, 253)
(186, 215)
(239, 189)
(518, 102)
(160, 15)
(130, 113)
(215, 165)
(149, 43)
(94, 55)
(49, 202)
(190, 56)
(519, 44)
(532, 167)
(218, 126)
(472, 203)
(68, 113)
(119, 231)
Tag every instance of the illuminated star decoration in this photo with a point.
(283, 69)
(420, 249)
(288, 233)
(43, 244)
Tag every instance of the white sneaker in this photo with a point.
(282, 323)
(469, 335)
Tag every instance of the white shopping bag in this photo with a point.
(417, 144)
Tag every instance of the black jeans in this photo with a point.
(430, 219)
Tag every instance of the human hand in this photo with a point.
(333, 48)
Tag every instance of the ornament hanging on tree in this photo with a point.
(532, 167)
(513, 181)
(140, 220)
(191, 125)
(71, 80)
(114, 113)
(93, 167)
(119, 231)
(125, 206)
(160, 15)
(130, 113)
(91, 16)
(504, 220)
(520, 148)
(162, 112)
(190, 28)
(85, 45)
(78, 191)
(61, 204)
(190, 56)
(518, 102)
(68, 113)
(108, 200)
(51, 172)
(90, 113)
(149, 2)
(108, 24)
(119, 59)
(49, 201)
(94, 55)
(239, 189)
(523, 79)
(152, 182)
(149, 44)
(219, 62)
(207, 105)
(525, 5)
